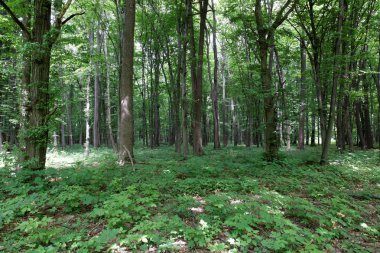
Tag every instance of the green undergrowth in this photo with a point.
(226, 201)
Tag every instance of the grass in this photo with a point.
(227, 201)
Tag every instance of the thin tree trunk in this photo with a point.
(282, 87)
(156, 104)
(87, 114)
(96, 125)
(301, 127)
(108, 81)
(215, 86)
(224, 101)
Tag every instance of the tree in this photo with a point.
(265, 40)
(197, 75)
(38, 113)
(126, 131)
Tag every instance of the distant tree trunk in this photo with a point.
(282, 83)
(301, 127)
(87, 114)
(63, 139)
(366, 110)
(55, 141)
(69, 111)
(312, 137)
(143, 97)
(108, 82)
(215, 86)
(224, 101)
(234, 123)
(96, 125)
(156, 102)
(205, 128)
(126, 85)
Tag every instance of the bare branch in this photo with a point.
(71, 16)
(16, 20)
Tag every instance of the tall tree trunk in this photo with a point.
(224, 100)
(313, 122)
(108, 82)
(96, 125)
(215, 86)
(69, 113)
(282, 84)
(366, 110)
(156, 104)
(38, 107)
(87, 114)
(301, 127)
(126, 85)
(144, 90)
(197, 76)
(187, 23)
(62, 83)
(336, 75)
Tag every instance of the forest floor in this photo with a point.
(226, 201)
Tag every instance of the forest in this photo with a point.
(189, 126)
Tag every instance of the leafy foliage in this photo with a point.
(166, 204)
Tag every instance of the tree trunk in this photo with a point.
(96, 125)
(367, 118)
(215, 86)
(108, 81)
(224, 101)
(336, 75)
(301, 127)
(87, 114)
(156, 102)
(282, 83)
(126, 132)
(38, 107)
(197, 76)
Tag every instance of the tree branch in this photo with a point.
(281, 16)
(16, 20)
(71, 16)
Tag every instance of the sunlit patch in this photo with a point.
(200, 200)
(364, 225)
(231, 241)
(197, 209)
(236, 202)
(203, 224)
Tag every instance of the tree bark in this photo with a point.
(108, 82)
(126, 132)
(336, 75)
(215, 86)
(96, 125)
(197, 76)
(301, 127)
(224, 100)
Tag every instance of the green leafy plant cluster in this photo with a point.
(218, 205)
